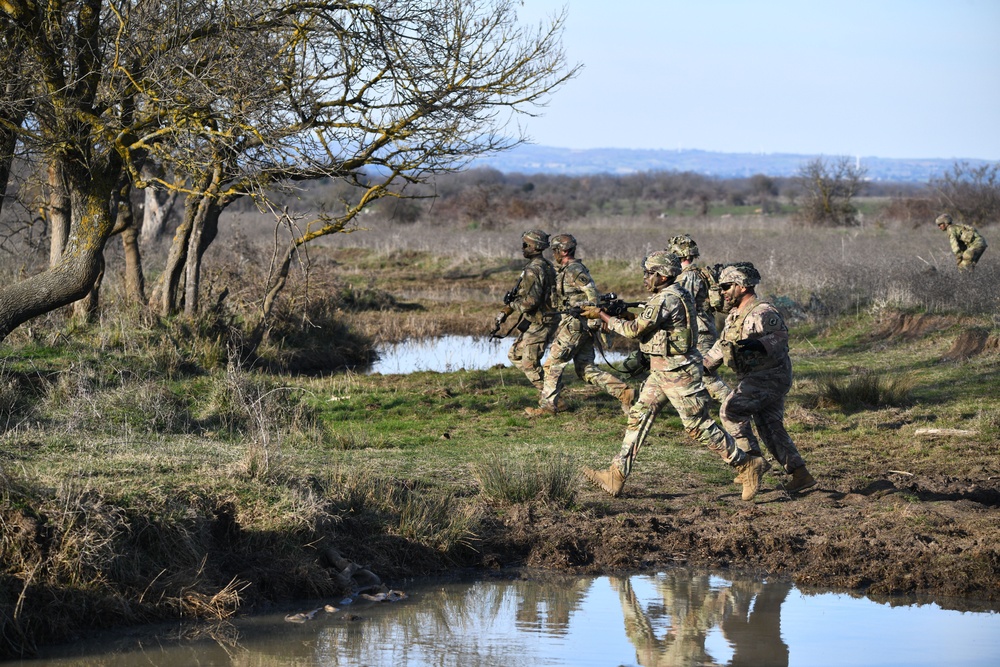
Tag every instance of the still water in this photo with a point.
(675, 618)
(450, 353)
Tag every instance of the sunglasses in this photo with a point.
(725, 287)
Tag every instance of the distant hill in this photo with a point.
(532, 159)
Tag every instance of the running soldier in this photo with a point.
(573, 340)
(666, 331)
(967, 244)
(531, 300)
(698, 281)
(754, 344)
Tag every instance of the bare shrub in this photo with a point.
(970, 192)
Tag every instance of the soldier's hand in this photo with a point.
(751, 345)
(506, 310)
(501, 316)
(590, 312)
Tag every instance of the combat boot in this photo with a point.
(540, 411)
(801, 480)
(767, 466)
(611, 480)
(751, 472)
(561, 405)
(627, 398)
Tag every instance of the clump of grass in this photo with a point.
(359, 438)
(507, 481)
(866, 389)
(988, 424)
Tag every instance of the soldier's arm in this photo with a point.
(713, 359)
(767, 326)
(532, 295)
(648, 320)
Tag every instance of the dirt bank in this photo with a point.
(894, 533)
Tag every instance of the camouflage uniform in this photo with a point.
(573, 340)
(693, 281)
(967, 244)
(763, 379)
(532, 302)
(666, 331)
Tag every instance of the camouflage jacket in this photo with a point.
(573, 286)
(534, 291)
(963, 237)
(667, 327)
(759, 320)
(693, 280)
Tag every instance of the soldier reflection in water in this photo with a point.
(747, 613)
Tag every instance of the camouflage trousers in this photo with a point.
(760, 402)
(684, 390)
(967, 259)
(526, 352)
(573, 343)
(716, 386)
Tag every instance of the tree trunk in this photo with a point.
(157, 206)
(202, 235)
(135, 282)
(60, 214)
(166, 287)
(77, 271)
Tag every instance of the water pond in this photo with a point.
(676, 618)
(450, 353)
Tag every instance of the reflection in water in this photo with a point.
(448, 353)
(677, 618)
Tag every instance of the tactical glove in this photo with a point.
(590, 312)
(751, 345)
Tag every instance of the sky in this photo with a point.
(876, 78)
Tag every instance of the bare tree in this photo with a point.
(241, 98)
(828, 189)
(970, 192)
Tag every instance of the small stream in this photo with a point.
(675, 618)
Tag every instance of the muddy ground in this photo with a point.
(898, 533)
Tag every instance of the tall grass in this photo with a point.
(866, 389)
(504, 480)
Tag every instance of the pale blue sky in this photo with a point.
(880, 78)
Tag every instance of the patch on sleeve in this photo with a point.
(772, 321)
(649, 313)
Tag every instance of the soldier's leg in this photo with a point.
(526, 353)
(588, 371)
(716, 386)
(560, 355)
(735, 414)
(770, 421)
(693, 409)
(640, 419)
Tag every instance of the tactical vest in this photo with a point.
(741, 363)
(670, 342)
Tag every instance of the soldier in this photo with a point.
(666, 331)
(531, 301)
(754, 344)
(967, 244)
(707, 301)
(573, 340)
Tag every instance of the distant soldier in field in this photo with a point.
(573, 340)
(697, 280)
(967, 244)
(666, 331)
(530, 300)
(754, 344)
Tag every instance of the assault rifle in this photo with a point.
(609, 303)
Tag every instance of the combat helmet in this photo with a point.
(662, 262)
(564, 242)
(683, 246)
(536, 238)
(741, 273)
(943, 219)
